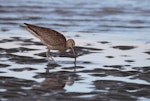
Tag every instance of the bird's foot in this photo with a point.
(51, 60)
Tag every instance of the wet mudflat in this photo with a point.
(104, 70)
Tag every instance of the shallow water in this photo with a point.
(81, 15)
(112, 46)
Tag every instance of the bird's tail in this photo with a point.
(23, 26)
(26, 24)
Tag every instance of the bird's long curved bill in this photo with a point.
(74, 54)
(73, 51)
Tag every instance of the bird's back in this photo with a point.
(51, 38)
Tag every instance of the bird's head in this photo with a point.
(71, 44)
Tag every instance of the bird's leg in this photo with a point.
(49, 57)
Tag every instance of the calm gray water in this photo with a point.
(77, 16)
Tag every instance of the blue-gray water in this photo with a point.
(78, 16)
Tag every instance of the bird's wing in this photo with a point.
(46, 35)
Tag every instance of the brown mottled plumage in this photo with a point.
(51, 38)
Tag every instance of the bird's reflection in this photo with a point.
(56, 80)
(75, 62)
(52, 84)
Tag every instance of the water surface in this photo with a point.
(78, 16)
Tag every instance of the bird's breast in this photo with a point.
(57, 47)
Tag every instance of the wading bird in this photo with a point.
(51, 38)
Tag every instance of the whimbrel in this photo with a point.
(51, 38)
